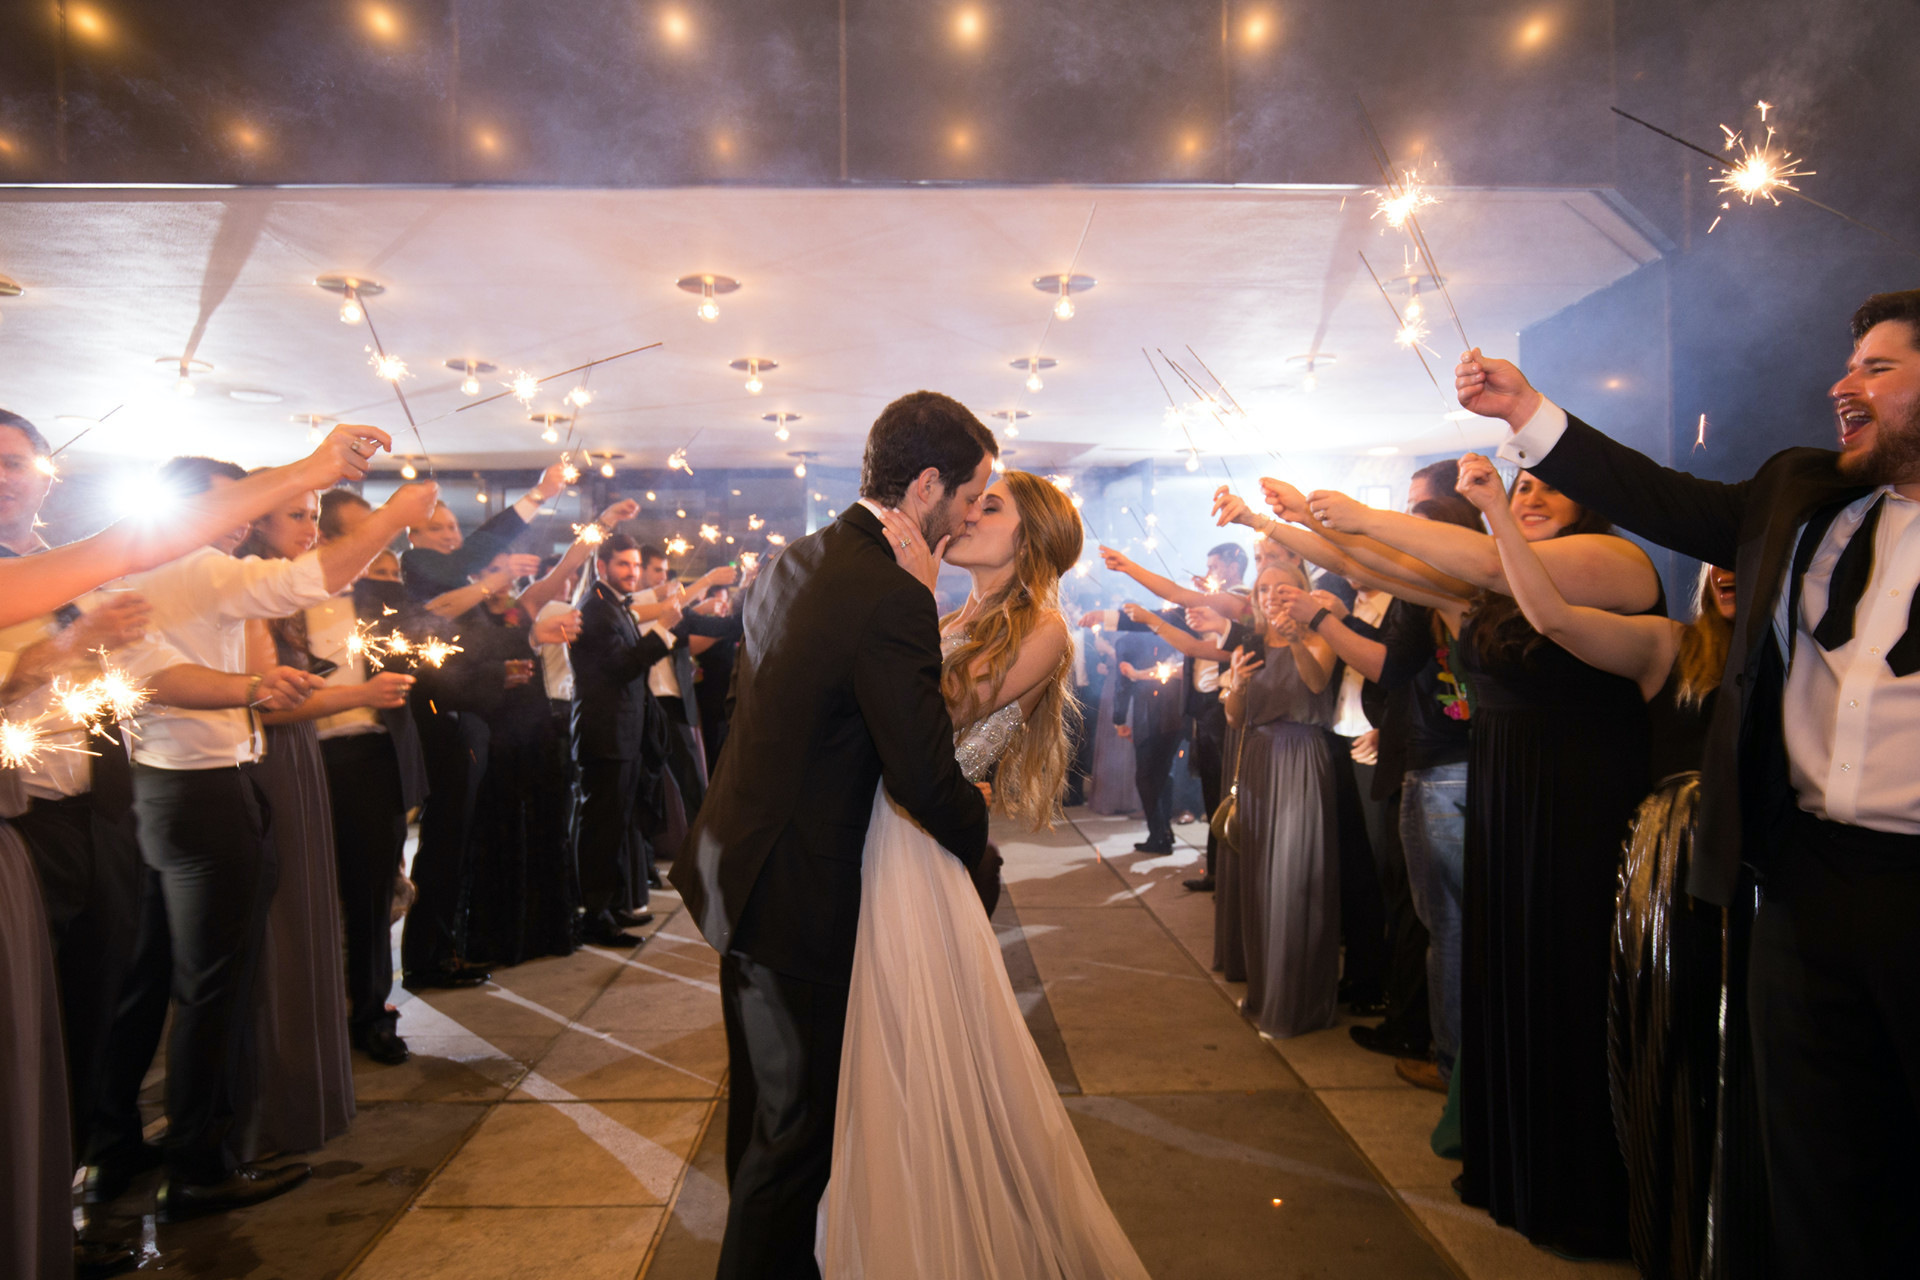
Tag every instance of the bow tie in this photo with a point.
(1848, 586)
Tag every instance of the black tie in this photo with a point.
(1848, 584)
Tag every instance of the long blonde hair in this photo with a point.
(1033, 769)
(1704, 644)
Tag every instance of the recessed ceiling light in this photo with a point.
(248, 395)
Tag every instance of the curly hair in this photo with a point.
(1032, 772)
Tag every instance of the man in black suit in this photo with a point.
(837, 686)
(1158, 702)
(618, 732)
(1810, 775)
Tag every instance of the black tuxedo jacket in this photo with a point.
(614, 716)
(1751, 527)
(370, 607)
(1158, 709)
(837, 686)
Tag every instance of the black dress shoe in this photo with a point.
(654, 881)
(1204, 884)
(609, 935)
(249, 1184)
(98, 1259)
(445, 979)
(632, 919)
(1153, 846)
(383, 1044)
(108, 1181)
(1380, 1040)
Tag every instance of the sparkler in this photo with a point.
(755, 524)
(523, 387)
(43, 463)
(749, 561)
(777, 539)
(1758, 177)
(678, 546)
(1761, 170)
(513, 387)
(109, 698)
(21, 744)
(710, 532)
(1411, 219)
(1401, 201)
(1163, 671)
(677, 461)
(590, 534)
(569, 472)
(434, 651)
(392, 368)
(1700, 437)
(1414, 345)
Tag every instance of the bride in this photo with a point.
(952, 1153)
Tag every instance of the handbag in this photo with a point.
(1221, 825)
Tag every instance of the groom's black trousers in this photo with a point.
(783, 1039)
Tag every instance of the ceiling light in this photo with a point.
(1033, 365)
(968, 26)
(1193, 460)
(800, 467)
(1310, 363)
(470, 384)
(185, 368)
(675, 26)
(381, 21)
(1012, 418)
(1064, 286)
(606, 469)
(707, 286)
(780, 421)
(752, 366)
(84, 20)
(408, 471)
(351, 290)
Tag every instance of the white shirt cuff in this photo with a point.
(1527, 446)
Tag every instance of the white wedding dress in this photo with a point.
(952, 1153)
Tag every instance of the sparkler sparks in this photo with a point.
(524, 387)
(777, 539)
(1700, 436)
(434, 651)
(755, 524)
(590, 534)
(392, 368)
(1401, 201)
(678, 546)
(1163, 671)
(44, 464)
(107, 699)
(710, 532)
(569, 473)
(749, 561)
(21, 744)
(677, 461)
(1761, 170)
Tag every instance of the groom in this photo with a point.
(837, 686)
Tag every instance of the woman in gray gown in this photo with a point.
(1282, 885)
(300, 1085)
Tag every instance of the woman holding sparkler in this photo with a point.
(1559, 763)
(1279, 874)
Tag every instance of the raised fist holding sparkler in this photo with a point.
(1495, 389)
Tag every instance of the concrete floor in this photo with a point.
(567, 1120)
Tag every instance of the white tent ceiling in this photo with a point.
(858, 294)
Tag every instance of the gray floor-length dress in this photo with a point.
(1286, 876)
(1111, 789)
(36, 1151)
(301, 1088)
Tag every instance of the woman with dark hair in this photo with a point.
(1681, 1070)
(1560, 762)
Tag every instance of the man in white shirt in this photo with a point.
(204, 836)
(1809, 777)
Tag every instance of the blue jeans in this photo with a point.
(1433, 829)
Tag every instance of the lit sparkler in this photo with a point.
(1082, 569)
(1402, 200)
(1163, 671)
(1213, 583)
(755, 524)
(1760, 171)
(569, 473)
(43, 463)
(580, 397)
(710, 532)
(590, 534)
(777, 539)
(677, 461)
(392, 368)
(21, 744)
(749, 561)
(524, 387)
(434, 651)
(1700, 436)
(107, 699)
(678, 546)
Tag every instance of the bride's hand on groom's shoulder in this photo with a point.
(910, 549)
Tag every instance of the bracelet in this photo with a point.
(253, 687)
(1319, 618)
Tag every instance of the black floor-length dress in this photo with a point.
(1560, 762)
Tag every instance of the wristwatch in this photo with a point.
(1319, 618)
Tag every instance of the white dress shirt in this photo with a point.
(555, 667)
(1350, 718)
(329, 623)
(662, 680)
(201, 603)
(1852, 726)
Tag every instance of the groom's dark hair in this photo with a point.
(920, 430)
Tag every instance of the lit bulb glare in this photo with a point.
(408, 471)
(184, 386)
(800, 470)
(708, 310)
(470, 386)
(754, 385)
(606, 469)
(551, 435)
(1310, 383)
(1193, 461)
(1033, 381)
(1063, 309)
(781, 433)
(350, 309)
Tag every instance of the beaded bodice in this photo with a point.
(981, 743)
